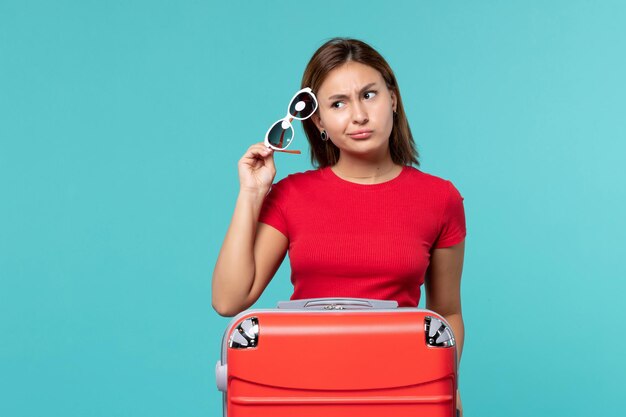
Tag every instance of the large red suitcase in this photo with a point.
(338, 357)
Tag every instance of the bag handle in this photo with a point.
(338, 304)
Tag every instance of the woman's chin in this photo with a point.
(367, 149)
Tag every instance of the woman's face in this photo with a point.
(356, 110)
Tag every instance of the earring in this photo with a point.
(324, 135)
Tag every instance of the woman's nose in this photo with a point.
(359, 115)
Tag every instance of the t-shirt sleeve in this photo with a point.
(273, 209)
(453, 222)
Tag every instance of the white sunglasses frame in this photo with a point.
(288, 118)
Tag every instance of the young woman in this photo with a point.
(365, 223)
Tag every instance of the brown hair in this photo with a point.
(333, 54)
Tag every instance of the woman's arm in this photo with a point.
(443, 294)
(443, 288)
(249, 257)
(252, 251)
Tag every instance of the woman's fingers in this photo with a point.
(256, 168)
(269, 159)
(255, 154)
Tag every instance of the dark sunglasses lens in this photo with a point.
(280, 135)
(302, 106)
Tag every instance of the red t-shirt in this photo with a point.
(363, 241)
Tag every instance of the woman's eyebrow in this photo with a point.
(342, 96)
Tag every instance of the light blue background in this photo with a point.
(121, 124)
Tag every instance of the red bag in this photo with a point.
(338, 357)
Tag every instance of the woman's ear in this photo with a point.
(394, 101)
(318, 122)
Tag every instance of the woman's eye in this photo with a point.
(369, 94)
(337, 104)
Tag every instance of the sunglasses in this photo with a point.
(280, 135)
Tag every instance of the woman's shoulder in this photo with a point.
(437, 188)
(297, 181)
(426, 179)
(298, 178)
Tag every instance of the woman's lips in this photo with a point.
(361, 134)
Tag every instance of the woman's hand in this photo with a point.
(459, 406)
(257, 169)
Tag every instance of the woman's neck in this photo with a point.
(366, 172)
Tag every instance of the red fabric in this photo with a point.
(364, 241)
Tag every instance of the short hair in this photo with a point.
(333, 54)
